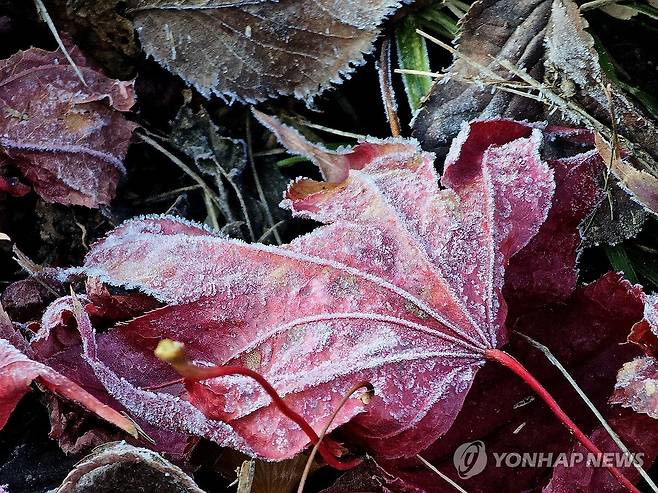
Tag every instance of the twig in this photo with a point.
(410, 71)
(599, 416)
(166, 195)
(245, 478)
(259, 188)
(238, 194)
(32, 268)
(212, 214)
(330, 130)
(314, 451)
(269, 231)
(189, 171)
(45, 16)
(386, 86)
(441, 475)
(271, 152)
(456, 11)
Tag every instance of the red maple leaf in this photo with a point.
(400, 287)
(17, 372)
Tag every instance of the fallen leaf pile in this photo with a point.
(409, 296)
(419, 269)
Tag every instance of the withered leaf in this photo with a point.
(548, 40)
(67, 138)
(251, 50)
(118, 466)
(640, 184)
(519, 39)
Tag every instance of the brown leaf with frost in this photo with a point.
(642, 186)
(118, 466)
(252, 50)
(509, 29)
(67, 138)
(546, 38)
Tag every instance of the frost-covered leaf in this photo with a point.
(67, 139)
(637, 381)
(637, 386)
(400, 287)
(17, 372)
(546, 38)
(586, 333)
(617, 218)
(572, 63)
(509, 29)
(118, 466)
(541, 273)
(256, 49)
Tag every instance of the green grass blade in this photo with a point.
(621, 262)
(646, 265)
(412, 54)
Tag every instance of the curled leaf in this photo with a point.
(118, 466)
(17, 372)
(68, 139)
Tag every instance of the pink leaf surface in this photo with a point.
(637, 380)
(17, 372)
(68, 139)
(401, 287)
(542, 273)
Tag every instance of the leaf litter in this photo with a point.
(407, 286)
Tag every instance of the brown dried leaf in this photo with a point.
(510, 29)
(548, 40)
(252, 50)
(642, 186)
(572, 62)
(118, 466)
